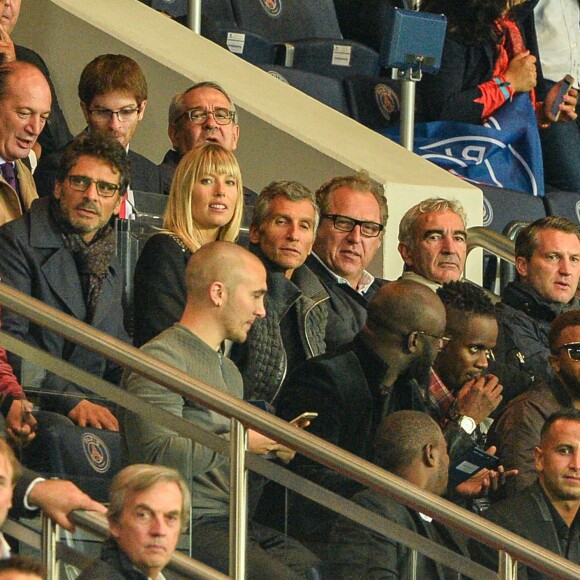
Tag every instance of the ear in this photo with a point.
(217, 293)
(539, 459)
(142, 110)
(554, 363)
(85, 110)
(171, 132)
(117, 207)
(254, 234)
(114, 529)
(405, 252)
(429, 455)
(57, 189)
(236, 136)
(413, 342)
(522, 266)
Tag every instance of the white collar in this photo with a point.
(365, 282)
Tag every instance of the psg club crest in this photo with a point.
(272, 7)
(96, 452)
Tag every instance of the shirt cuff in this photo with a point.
(27, 494)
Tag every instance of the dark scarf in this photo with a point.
(92, 260)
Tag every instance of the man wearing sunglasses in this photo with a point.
(113, 97)
(353, 217)
(517, 432)
(63, 253)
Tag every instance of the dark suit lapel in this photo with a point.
(105, 299)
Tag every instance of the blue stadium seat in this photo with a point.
(308, 36)
(503, 206)
(373, 101)
(327, 90)
(563, 203)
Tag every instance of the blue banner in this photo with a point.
(505, 152)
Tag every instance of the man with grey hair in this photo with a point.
(433, 242)
(149, 508)
(203, 113)
(282, 232)
(353, 217)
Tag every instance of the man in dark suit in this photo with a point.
(113, 94)
(353, 216)
(63, 253)
(411, 445)
(547, 511)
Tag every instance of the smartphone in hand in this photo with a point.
(567, 82)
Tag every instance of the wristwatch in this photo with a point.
(467, 424)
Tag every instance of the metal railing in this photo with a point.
(244, 416)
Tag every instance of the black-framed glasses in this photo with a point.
(124, 115)
(82, 183)
(221, 115)
(443, 340)
(345, 224)
(573, 350)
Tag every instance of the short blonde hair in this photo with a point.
(207, 158)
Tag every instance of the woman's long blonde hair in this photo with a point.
(202, 160)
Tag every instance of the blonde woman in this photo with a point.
(205, 204)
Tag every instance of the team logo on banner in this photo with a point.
(387, 100)
(487, 212)
(96, 452)
(272, 7)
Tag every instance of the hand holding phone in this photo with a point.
(304, 420)
(567, 83)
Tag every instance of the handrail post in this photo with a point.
(508, 567)
(238, 500)
(48, 547)
(194, 15)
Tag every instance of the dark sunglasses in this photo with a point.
(573, 349)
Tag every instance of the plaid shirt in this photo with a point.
(440, 398)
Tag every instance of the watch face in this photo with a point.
(467, 424)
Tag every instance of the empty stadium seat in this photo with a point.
(327, 90)
(503, 206)
(563, 203)
(308, 36)
(373, 101)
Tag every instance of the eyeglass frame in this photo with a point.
(207, 112)
(443, 339)
(569, 346)
(360, 223)
(90, 182)
(110, 113)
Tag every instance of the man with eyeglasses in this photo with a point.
(203, 113)
(547, 275)
(383, 370)
(353, 217)
(63, 253)
(517, 432)
(113, 97)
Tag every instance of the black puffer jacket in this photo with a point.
(524, 319)
(113, 565)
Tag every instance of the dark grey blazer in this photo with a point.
(35, 261)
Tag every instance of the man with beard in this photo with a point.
(546, 512)
(383, 370)
(517, 432)
(63, 253)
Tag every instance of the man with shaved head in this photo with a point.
(226, 285)
(411, 445)
(383, 370)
